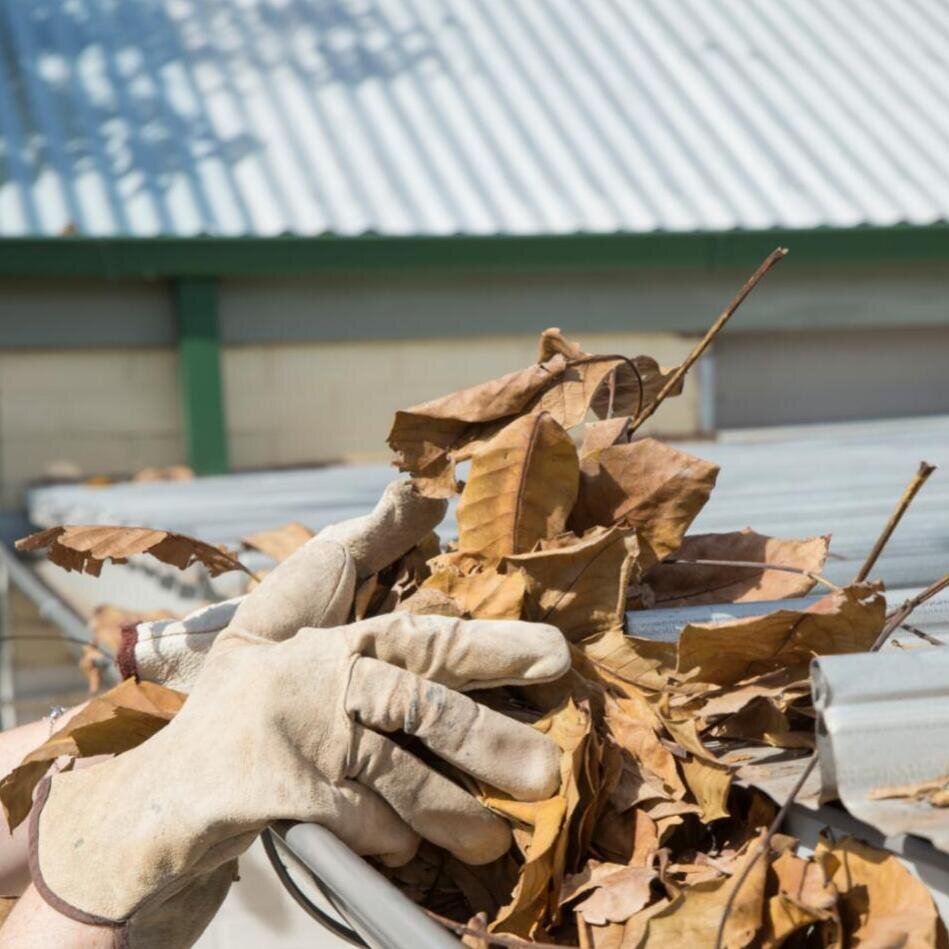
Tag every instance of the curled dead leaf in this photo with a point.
(86, 547)
(846, 621)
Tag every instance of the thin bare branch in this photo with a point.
(756, 565)
(714, 330)
(897, 617)
(919, 479)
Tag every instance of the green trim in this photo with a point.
(199, 372)
(120, 258)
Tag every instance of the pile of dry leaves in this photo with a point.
(564, 517)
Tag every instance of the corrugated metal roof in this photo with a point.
(181, 117)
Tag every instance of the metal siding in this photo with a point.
(437, 117)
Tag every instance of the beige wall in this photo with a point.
(293, 403)
(115, 411)
(95, 410)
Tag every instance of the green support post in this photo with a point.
(199, 372)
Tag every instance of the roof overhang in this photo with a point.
(127, 258)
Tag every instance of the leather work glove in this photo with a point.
(292, 724)
(171, 652)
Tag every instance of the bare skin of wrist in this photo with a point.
(34, 923)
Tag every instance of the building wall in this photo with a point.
(314, 368)
(299, 402)
(773, 378)
(86, 411)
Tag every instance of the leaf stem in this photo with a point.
(756, 565)
(912, 489)
(713, 331)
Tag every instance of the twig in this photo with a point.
(922, 634)
(497, 939)
(898, 616)
(713, 331)
(755, 565)
(894, 619)
(919, 479)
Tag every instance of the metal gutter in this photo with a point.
(381, 914)
(883, 722)
(121, 258)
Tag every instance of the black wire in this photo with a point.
(301, 899)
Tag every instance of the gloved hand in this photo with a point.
(287, 724)
(171, 652)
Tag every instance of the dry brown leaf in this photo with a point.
(637, 736)
(842, 622)
(431, 603)
(522, 485)
(112, 723)
(881, 902)
(628, 392)
(568, 399)
(781, 687)
(682, 584)
(580, 588)
(804, 898)
(933, 790)
(762, 720)
(279, 542)
(546, 825)
(626, 398)
(485, 595)
(617, 891)
(600, 435)
(618, 660)
(692, 918)
(86, 547)
(647, 485)
(430, 437)
(709, 784)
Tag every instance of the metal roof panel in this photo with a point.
(438, 117)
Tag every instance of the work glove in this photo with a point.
(287, 724)
(171, 652)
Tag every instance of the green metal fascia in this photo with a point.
(199, 372)
(126, 258)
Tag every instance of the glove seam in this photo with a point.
(57, 903)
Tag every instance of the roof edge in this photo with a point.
(206, 256)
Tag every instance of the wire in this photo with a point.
(302, 900)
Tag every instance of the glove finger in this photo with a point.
(427, 801)
(314, 586)
(368, 825)
(396, 524)
(464, 654)
(490, 746)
